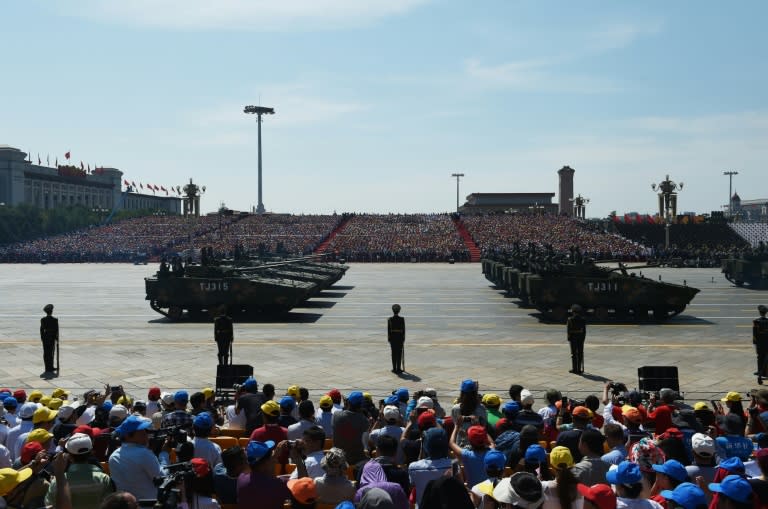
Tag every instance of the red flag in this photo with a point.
(66, 155)
(163, 189)
(126, 183)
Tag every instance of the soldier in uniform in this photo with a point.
(49, 335)
(760, 340)
(577, 333)
(396, 338)
(222, 332)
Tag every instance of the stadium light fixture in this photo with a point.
(730, 190)
(259, 111)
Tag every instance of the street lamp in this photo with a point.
(458, 176)
(730, 190)
(259, 111)
(579, 206)
(667, 203)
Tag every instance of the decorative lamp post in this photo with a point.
(259, 111)
(730, 190)
(580, 206)
(458, 176)
(667, 203)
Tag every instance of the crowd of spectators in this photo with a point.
(612, 450)
(497, 233)
(399, 238)
(700, 245)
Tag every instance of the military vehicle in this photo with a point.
(270, 288)
(749, 269)
(552, 283)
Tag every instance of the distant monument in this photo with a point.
(192, 193)
(565, 191)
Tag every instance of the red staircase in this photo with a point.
(324, 244)
(474, 251)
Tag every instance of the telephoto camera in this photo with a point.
(169, 487)
(617, 388)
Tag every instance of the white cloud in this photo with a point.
(726, 124)
(620, 35)
(252, 15)
(535, 75)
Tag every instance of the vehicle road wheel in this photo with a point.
(738, 283)
(601, 313)
(641, 314)
(660, 314)
(175, 312)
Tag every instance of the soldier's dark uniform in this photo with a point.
(222, 331)
(396, 338)
(49, 335)
(577, 333)
(760, 339)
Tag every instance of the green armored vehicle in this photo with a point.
(247, 288)
(605, 293)
(749, 269)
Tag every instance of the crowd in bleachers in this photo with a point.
(412, 449)
(399, 238)
(497, 233)
(702, 245)
(753, 233)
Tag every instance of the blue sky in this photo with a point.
(379, 101)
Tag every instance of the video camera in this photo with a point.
(617, 388)
(157, 438)
(168, 491)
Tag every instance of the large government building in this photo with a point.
(22, 182)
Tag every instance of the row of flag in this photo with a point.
(152, 187)
(67, 155)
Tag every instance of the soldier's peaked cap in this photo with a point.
(48, 307)
(396, 308)
(762, 309)
(576, 308)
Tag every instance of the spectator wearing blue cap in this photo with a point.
(669, 475)
(687, 496)
(402, 396)
(468, 410)
(493, 462)
(179, 417)
(204, 448)
(733, 492)
(11, 405)
(260, 488)
(133, 466)
(628, 482)
(250, 403)
(536, 462)
(349, 425)
(286, 418)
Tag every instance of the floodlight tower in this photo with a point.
(730, 190)
(458, 176)
(667, 203)
(259, 111)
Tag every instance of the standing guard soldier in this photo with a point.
(222, 332)
(49, 335)
(760, 340)
(396, 338)
(577, 333)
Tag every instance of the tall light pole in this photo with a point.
(667, 203)
(730, 190)
(458, 176)
(259, 111)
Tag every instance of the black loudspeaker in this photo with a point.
(655, 378)
(231, 374)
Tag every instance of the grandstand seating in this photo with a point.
(754, 233)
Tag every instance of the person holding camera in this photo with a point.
(88, 484)
(133, 466)
(576, 329)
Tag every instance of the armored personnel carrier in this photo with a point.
(243, 287)
(750, 268)
(605, 293)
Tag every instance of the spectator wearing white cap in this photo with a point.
(26, 412)
(65, 422)
(704, 463)
(88, 484)
(389, 423)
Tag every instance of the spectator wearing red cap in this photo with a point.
(153, 401)
(599, 496)
(473, 456)
(201, 485)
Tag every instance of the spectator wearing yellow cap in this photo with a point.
(60, 393)
(22, 488)
(492, 404)
(562, 491)
(732, 402)
(43, 418)
(324, 415)
(294, 392)
(271, 430)
(35, 396)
